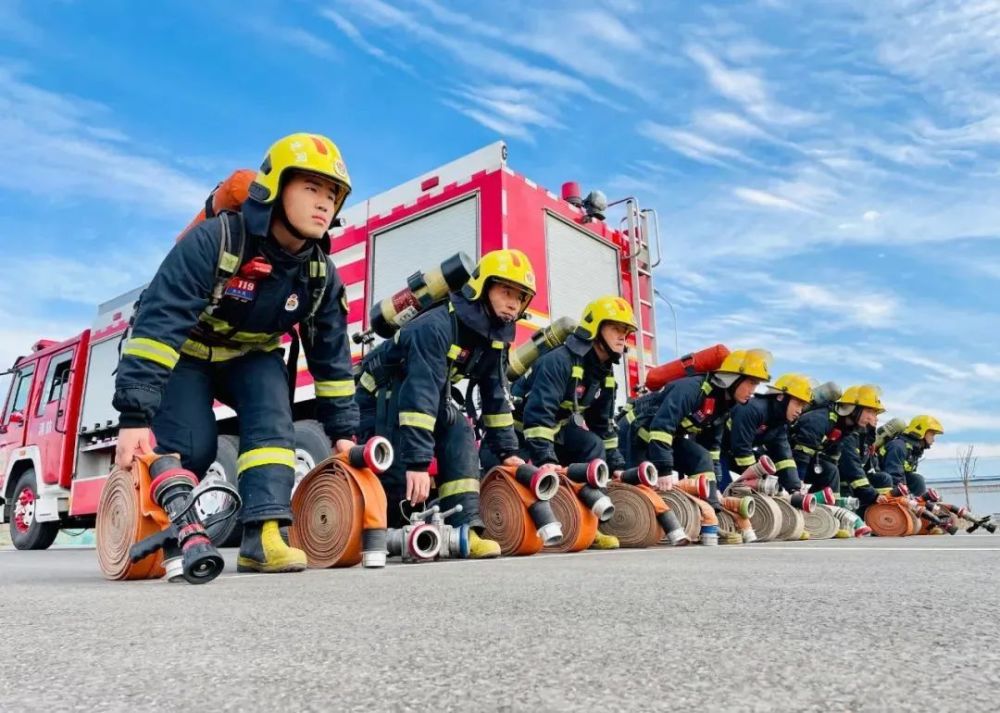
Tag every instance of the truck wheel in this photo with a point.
(25, 531)
(312, 446)
(223, 469)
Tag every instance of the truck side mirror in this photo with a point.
(17, 418)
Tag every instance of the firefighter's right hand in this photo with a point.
(418, 486)
(131, 442)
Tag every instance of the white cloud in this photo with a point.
(354, 34)
(767, 200)
(990, 372)
(690, 144)
(871, 216)
(296, 37)
(60, 145)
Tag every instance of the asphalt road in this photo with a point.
(862, 625)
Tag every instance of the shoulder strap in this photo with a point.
(231, 248)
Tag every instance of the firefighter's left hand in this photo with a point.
(881, 500)
(513, 461)
(343, 445)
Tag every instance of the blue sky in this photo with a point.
(826, 174)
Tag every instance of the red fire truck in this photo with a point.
(58, 429)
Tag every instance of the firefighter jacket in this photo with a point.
(900, 456)
(760, 425)
(450, 342)
(819, 432)
(853, 455)
(691, 407)
(569, 382)
(205, 303)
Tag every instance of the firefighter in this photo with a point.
(760, 427)
(681, 426)
(818, 440)
(900, 456)
(564, 405)
(407, 396)
(209, 326)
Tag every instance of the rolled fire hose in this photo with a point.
(729, 531)
(766, 517)
(579, 524)
(686, 511)
(339, 509)
(126, 515)
(890, 519)
(639, 514)
(792, 522)
(514, 515)
(820, 523)
(739, 510)
(849, 521)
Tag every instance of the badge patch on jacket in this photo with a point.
(292, 303)
(240, 289)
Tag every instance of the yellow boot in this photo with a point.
(844, 534)
(263, 550)
(481, 548)
(804, 536)
(604, 542)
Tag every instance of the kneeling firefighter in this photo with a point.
(406, 392)
(824, 433)
(209, 326)
(564, 405)
(899, 457)
(682, 425)
(760, 427)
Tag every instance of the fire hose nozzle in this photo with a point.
(373, 548)
(805, 503)
(375, 455)
(595, 473)
(710, 535)
(748, 535)
(672, 526)
(543, 482)
(643, 474)
(598, 502)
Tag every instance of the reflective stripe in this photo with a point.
(884, 491)
(709, 475)
(499, 345)
(221, 325)
(229, 262)
(334, 389)
(417, 420)
(549, 434)
(498, 420)
(782, 464)
(860, 483)
(806, 449)
(908, 468)
(152, 350)
(518, 425)
(662, 437)
(203, 351)
(643, 434)
(317, 268)
(566, 405)
(265, 456)
(453, 351)
(368, 382)
(630, 416)
(715, 454)
(577, 372)
(609, 382)
(457, 487)
(686, 423)
(611, 442)
(745, 461)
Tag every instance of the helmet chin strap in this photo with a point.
(288, 226)
(613, 356)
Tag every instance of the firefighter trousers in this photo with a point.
(818, 472)
(458, 474)
(256, 387)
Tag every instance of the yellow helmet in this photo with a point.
(864, 395)
(755, 363)
(795, 385)
(311, 153)
(511, 266)
(609, 308)
(923, 423)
